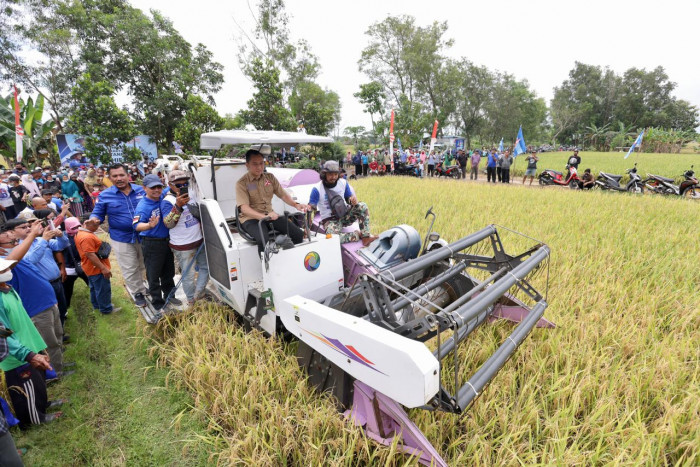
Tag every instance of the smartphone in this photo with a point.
(44, 223)
(184, 191)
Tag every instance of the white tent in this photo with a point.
(216, 139)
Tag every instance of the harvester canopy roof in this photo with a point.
(216, 139)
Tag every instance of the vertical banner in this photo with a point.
(19, 131)
(391, 140)
(433, 138)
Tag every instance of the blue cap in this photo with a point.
(152, 180)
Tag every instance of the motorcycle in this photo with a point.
(608, 181)
(666, 186)
(453, 171)
(553, 177)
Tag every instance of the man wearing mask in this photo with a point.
(332, 220)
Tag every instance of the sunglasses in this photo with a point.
(181, 185)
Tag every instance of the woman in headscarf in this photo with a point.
(31, 186)
(84, 194)
(91, 178)
(71, 193)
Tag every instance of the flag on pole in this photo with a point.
(500, 146)
(637, 142)
(391, 139)
(19, 131)
(433, 138)
(519, 147)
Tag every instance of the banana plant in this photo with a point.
(37, 134)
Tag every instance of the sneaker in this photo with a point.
(139, 299)
(175, 301)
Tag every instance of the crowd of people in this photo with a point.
(49, 222)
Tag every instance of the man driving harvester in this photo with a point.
(339, 207)
(254, 192)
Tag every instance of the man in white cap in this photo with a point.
(185, 236)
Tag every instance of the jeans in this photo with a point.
(130, 259)
(185, 259)
(48, 323)
(160, 269)
(100, 293)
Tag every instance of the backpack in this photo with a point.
(336, 203)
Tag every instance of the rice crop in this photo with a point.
(618, 380)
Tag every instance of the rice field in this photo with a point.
(618, 381)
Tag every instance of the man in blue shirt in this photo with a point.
(118, 203)
(51, 202)
(491, 164)
(157, 255)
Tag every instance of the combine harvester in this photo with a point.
(380, 327)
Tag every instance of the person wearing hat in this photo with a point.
(157, 255)
(118, 204)
(26, 363)
(531, 170)
(51, 201)
(36, 293)
(185, 236)
(254, 192)
(333, 221)
(574, 161)
(71, 256)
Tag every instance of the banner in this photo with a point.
(391, 139)
(519, 147)
(69, 145)
(19, 131)
(433, 138)
(637, 142)
(459, 144)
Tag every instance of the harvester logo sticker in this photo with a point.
(312, 261)
(347, 350)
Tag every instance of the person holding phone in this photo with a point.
(185, 236)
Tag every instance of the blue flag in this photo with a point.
(500, 146)
(637, 142)
(520, 147)
(420, 145)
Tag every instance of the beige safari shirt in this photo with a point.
(257, 193)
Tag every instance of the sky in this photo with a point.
(537, 40)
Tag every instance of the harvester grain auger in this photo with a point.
(396, 337)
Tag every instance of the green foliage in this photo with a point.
(335, 151)
(304, 163)
(318, 110)
(38, 142)
(372, 96)
(199, 118)
(103, 123)
(266, 110)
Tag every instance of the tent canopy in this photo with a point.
(217, 139)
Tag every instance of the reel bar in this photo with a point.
(477, 288)
(483, 376)
(470, 310)
(430, 285)
(411, 267)
(460, 334)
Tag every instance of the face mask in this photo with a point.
(6, 276)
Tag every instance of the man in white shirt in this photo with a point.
(185, 236)
(342, 209)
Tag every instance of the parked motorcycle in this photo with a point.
(666, 186)
(453, 171)
(553, 177)
(608, 181)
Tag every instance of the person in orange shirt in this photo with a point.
(98, 270)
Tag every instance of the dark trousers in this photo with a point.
(100, 293)
(464, 171)
(10, 212)
(431, 170)
(499, 173)
(9, 457)
(160, 269)
(60, 299)
(27, 388)
(280, 225)
(491, 174)
(365, 169)
(358, 169)
(69, 285)
(505, 175)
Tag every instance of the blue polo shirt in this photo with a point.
(40, 254)
(120, 210)
(36, 293)
(144, 211)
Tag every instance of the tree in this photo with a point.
(38, 141)
(318, 110)
(474, 90)
(103, 123)
(199, 118)
(266, 110)
(372, 96)
(354, 131)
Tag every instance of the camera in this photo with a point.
(184, 191)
